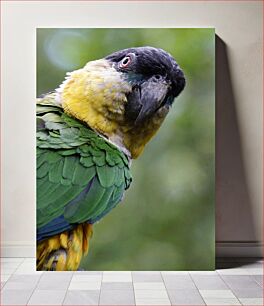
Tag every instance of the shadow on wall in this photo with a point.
(234, 216)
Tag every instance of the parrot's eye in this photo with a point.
(157, 77)
(125, 62)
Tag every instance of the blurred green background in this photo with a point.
(166, 221)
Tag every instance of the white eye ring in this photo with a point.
(125, 62)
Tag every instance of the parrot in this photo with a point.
(88, 132)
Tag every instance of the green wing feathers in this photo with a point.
(80, 175)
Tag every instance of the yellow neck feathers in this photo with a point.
(96, 95)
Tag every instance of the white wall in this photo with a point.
(239, 106)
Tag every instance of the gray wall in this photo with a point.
(238, 97)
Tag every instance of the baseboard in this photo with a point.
(223, 249)
(18, 249)
(239, 249)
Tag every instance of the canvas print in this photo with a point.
(125, 149)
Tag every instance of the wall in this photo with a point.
(239, 106)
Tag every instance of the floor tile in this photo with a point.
(20, 285)
(258, 279)
(8, 270)
(240, 282)
(149, 272)
(118, 272)
(117, 297)
(251, 301)
(27, 268)
(217, 294)
(149, 285)
(117, 277)
(175, 272)
(232, 271)
(53, 285)
(24, 278)
(178, 282)
(117, 286)
(47, 297)
(185, 297)
(254, 271)
(253, 265)
(5, 277)
(146, 277)
(59, 275)
(87, 297)
(222, 301)
(151, 293)
(88, 273)
(208, 282)
(85, 286)
(248, 293)
(207, 273)
(54, 281)
(87, 278)
(159, 302)
(12, 265)
(15, 297)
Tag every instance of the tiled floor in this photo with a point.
(237, 283)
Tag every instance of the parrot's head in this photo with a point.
(124, 96)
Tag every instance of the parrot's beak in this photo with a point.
(146, 100)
